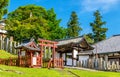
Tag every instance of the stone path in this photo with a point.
(79, 68)
(66, 73)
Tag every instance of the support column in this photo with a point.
(53, 55)
(65, 58)
(19, 57)
(31, 63)
(41, 52)
(72, 58)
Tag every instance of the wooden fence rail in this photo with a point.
(13, 62)
(10, 61)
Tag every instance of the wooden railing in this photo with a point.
(11, 61)
(50, 64)
(58, 63)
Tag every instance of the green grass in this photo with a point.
(44, 72)
(27, 72)
(83, 73)
(5, 55)
(11, 71)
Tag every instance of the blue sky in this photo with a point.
(84, 8)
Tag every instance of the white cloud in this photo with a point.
(103, 5)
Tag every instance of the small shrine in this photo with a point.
(29, 54)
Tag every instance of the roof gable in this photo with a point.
(29, 46)
(77, 43)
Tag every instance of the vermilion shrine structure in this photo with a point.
(31, 55)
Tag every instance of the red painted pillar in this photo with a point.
(53, 55)
(41, 52)
(31, 63)
(19, 58)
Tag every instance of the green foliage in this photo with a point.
(3, 7)
(5, 55)
(99, 33)
(34, 21)
(88, 38)
(73, 25)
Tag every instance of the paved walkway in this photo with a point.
(68, 73)
(79, 68)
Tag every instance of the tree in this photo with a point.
(89, 38)
(73, 26)
(99, 32)
(34, 21)
(57, 32)
(3, 7)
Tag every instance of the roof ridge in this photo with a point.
(69, 38)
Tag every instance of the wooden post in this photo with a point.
(19, 57)
(13, 49)
(72, 58)
(65, 58)
(41, 52)
(1, 41)
(54, 55)
(0, 44)
(31, 59)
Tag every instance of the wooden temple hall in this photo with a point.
(31, 54)
(73, 50)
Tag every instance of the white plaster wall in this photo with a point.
(83, 58)
(69, 61)
(63, 56)
(69, 53)
(57, 55)
(34, 61)
(75, 52)
(74, 62)
(23, 53)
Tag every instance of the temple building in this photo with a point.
(73, 49)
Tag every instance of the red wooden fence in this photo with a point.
(13, 61)
(58, 63)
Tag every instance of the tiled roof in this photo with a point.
(108, 46)
(68, 41)
(68, 44)
(27, 46)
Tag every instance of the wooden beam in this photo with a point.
(48, 41)
(48, 45)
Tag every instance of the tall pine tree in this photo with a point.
(99, 32)
(73, 26)
(3, 7)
